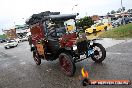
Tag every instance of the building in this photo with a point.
(19, 31)
(22, 30)
(95, 17)
(10, 34)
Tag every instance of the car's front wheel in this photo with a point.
(99, 53)
(94, 30)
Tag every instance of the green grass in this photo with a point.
(2, 36)
(124, 31)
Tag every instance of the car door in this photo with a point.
(100, 27)
(53, 42)
(15, 43)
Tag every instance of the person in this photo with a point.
(30, 41)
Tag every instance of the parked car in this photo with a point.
(91, 29)
(2, 40)
(117, 22)
(102, 26)
(10, 44)
(126, 20)
(130, 20)
(24, 39)
(18, 40)
(97, 27)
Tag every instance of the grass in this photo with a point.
(124, 31)
(2, 36)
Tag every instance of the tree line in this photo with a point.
(120, 10)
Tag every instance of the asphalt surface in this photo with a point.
(18, 69)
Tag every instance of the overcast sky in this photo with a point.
(15, 12)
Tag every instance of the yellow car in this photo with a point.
(97, 27)
(101, 27)
(91, 29)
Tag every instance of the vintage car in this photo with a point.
(51, 42)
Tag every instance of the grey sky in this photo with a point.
(15, 12)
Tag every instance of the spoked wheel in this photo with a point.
(67, 64)
(36, 58)
(99, 53)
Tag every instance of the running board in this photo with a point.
(78, 60)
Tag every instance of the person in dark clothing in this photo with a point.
(30, 41)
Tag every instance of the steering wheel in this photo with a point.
(78, 32)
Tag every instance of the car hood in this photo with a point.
(9, 44)
(92, 28)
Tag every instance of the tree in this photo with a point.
(129, 10)
(108, 13)
(123, 8)
(119, 10)
(113, 11)
(85, 22)
(3, 36)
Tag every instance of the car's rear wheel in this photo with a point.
(6, 48)
(36, 58)
(105, 28)
(67, 64)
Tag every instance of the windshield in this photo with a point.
(70, 25)
(10, 41)
(93, 25)
(57, 32)
(100, 24)
(67, 26)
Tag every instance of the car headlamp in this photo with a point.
(91, 42)
(74, 47)
(32, 45)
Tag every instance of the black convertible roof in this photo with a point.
(49, 16)
(61, 17)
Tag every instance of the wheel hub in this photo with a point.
(97, 52)
(65, 64)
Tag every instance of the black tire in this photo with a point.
(96, 56)
(36, 58)
(5, 47)
(105, 28)
(94, 30)
(16, 45)
(68, 67)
